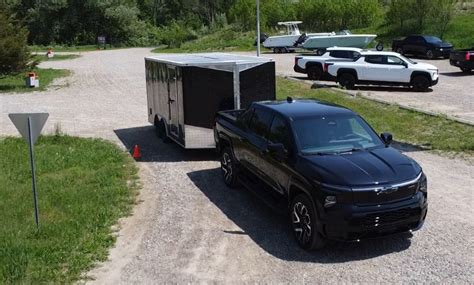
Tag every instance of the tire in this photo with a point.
(161, 131)
(315, 72)
(379, 47)
(229, 168)
(400, 50)
(304, 223)
(429, 54)
(420, 83)
(466, 70)
(347, 80)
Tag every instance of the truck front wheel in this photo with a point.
(229, 168)
(304, 223)
(420, 83)
(347, 80)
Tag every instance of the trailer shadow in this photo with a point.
(154, 149)
(271, 231)
(457, 74)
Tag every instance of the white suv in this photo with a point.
(384, 68)
(314, 65)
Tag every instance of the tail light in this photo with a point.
(326, 66)
(468, 56)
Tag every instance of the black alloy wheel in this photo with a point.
(228, 168)
(429, 54)
(304, 223)
(314, 72)
(347, 80)
(420, 83)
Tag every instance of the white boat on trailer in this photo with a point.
(341, 39)
(290, 41)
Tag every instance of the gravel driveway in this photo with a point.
(453, 96)
(188, 227)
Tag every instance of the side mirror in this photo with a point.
(405, 64)
(277, 150)
(386, 138)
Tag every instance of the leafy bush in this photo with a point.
(14, 54)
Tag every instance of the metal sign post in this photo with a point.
(30, 125)
(258, 27)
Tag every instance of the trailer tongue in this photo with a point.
(185, 91)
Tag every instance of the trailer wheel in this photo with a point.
(161, 130)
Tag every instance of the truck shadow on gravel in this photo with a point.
(271, 231)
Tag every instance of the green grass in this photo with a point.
(223, 40)
(16, 83)
(56, 57)
(82, 191)
(44, 49)
(436, 133)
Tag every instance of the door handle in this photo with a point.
(171, 100)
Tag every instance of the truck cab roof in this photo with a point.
(303, 108)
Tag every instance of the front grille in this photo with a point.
(388, 218)
(381, 195)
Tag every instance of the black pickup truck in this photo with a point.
(324, 166)
(463, 58)
(428, 46)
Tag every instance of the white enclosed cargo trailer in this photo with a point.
(185, 91)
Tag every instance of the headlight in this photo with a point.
(440, 49)
(423, 184)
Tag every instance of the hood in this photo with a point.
(362, 168)
(425, 66)
(443, 45)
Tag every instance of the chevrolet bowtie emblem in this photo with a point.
(385, 190)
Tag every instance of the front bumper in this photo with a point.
(442, 53)
(350, 222)
(434, 82)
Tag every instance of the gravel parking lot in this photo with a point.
(188, 227)
(453, 96)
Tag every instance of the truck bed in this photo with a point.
(230, 115)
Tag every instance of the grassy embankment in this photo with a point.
(84, 186)
(433, 132)
(223, 40)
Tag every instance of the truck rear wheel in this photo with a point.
(347, 80)
(304, 223)
(229, 168)
(400, 50)
(420, 83)
(465, 70)
(315, 72)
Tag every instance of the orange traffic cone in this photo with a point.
(136, 153)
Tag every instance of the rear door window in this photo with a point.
(260, 122)
(376, 59)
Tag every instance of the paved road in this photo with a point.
(188, 227)
(453, 96)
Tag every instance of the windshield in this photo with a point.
(433, 40)
(336, 134)
(407, 59)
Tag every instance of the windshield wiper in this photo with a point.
(354, 149)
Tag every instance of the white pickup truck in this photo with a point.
(314, 65)
(384, 68)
